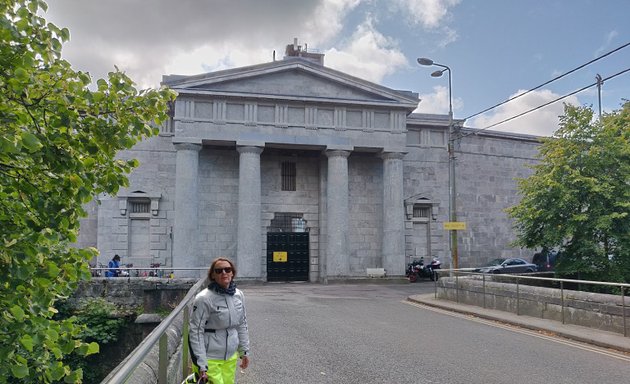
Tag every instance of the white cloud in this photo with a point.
(428, 13)
(368, 54)
(437, 102)
(542, 122)
(149, 38)
(608, 39)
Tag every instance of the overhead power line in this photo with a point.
(550, 81)
(547, 103)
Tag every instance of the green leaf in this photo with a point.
(20, 371)
(17, 312)
(27, 342)
(30, 141)
(52, 335)
(57, 371)
(21, 73)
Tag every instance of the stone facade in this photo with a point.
(370, 181)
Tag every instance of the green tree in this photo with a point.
(578, 198)
(58, 145)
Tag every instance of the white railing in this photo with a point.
(519, 279)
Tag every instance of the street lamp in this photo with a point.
(451, 155)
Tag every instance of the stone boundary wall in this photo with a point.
(148, 294)
(593, 310)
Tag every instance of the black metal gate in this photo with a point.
(287, 256)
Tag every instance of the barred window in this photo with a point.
(421, 211)
(288, 176)
(140, 206)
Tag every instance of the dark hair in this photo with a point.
(116, 257)
(215, 261)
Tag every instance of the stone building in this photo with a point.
(300, 172)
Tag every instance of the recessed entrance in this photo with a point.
(288, 248)
(287, 256)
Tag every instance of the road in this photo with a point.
(367, 333)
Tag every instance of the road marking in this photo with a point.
(515, 328)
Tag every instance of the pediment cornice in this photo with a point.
(293, 80)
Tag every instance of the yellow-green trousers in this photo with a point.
(220, 371)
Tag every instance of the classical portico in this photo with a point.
(270, 115)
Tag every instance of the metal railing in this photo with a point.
(518, 280)
(158, 336)
(168, 272)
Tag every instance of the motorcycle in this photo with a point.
(416, 269)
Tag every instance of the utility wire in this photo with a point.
(547, 103)
(550, 81)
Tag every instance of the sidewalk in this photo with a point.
(574, 332)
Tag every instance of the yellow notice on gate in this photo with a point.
(455, 225)
(279, 257)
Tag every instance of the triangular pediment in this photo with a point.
(291, 79)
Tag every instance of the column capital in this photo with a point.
(187, 146)
(249, 149)
(392, 155)
(337, 153)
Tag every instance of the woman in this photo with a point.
(113, 265)
(218, 326)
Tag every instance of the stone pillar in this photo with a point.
(393, 251)
(249, 242)
(186, 228)
(337, 255)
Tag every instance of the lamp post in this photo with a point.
(451, 156)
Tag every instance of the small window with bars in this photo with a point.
(421, 211)
(140, 206)
(288, 176)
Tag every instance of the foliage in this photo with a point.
(578, 198)
(100, 322)
(58, 145)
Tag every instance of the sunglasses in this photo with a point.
(219, 271)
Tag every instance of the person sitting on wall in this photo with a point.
(114, 267)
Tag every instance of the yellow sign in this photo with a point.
(455, 225)
(279, 257)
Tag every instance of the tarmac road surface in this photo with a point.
(368, 333)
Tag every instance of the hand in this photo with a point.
(203, 377)
(244, 362)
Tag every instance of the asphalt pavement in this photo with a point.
(592, 336)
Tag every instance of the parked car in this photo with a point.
(511, 265)
(545, 261)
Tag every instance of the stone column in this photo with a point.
(393, 251)
(186, 228)
(337, 255)
(249, 242)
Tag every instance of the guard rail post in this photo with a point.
(185, 351)
(518, 298)
(436, 275)
(623, 311)
(163, 359)
(483, 279)
(562, 300)
(457, 286)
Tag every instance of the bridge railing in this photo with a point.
(159, 337)
(530, 279)
(158, 271)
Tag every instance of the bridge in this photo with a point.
(163, 356)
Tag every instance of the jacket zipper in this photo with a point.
(227, 330)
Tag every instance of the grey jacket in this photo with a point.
(218, 327)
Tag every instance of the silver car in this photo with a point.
(512, 265)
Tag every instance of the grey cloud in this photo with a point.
(185, 23)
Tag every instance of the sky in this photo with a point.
(495, 49)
